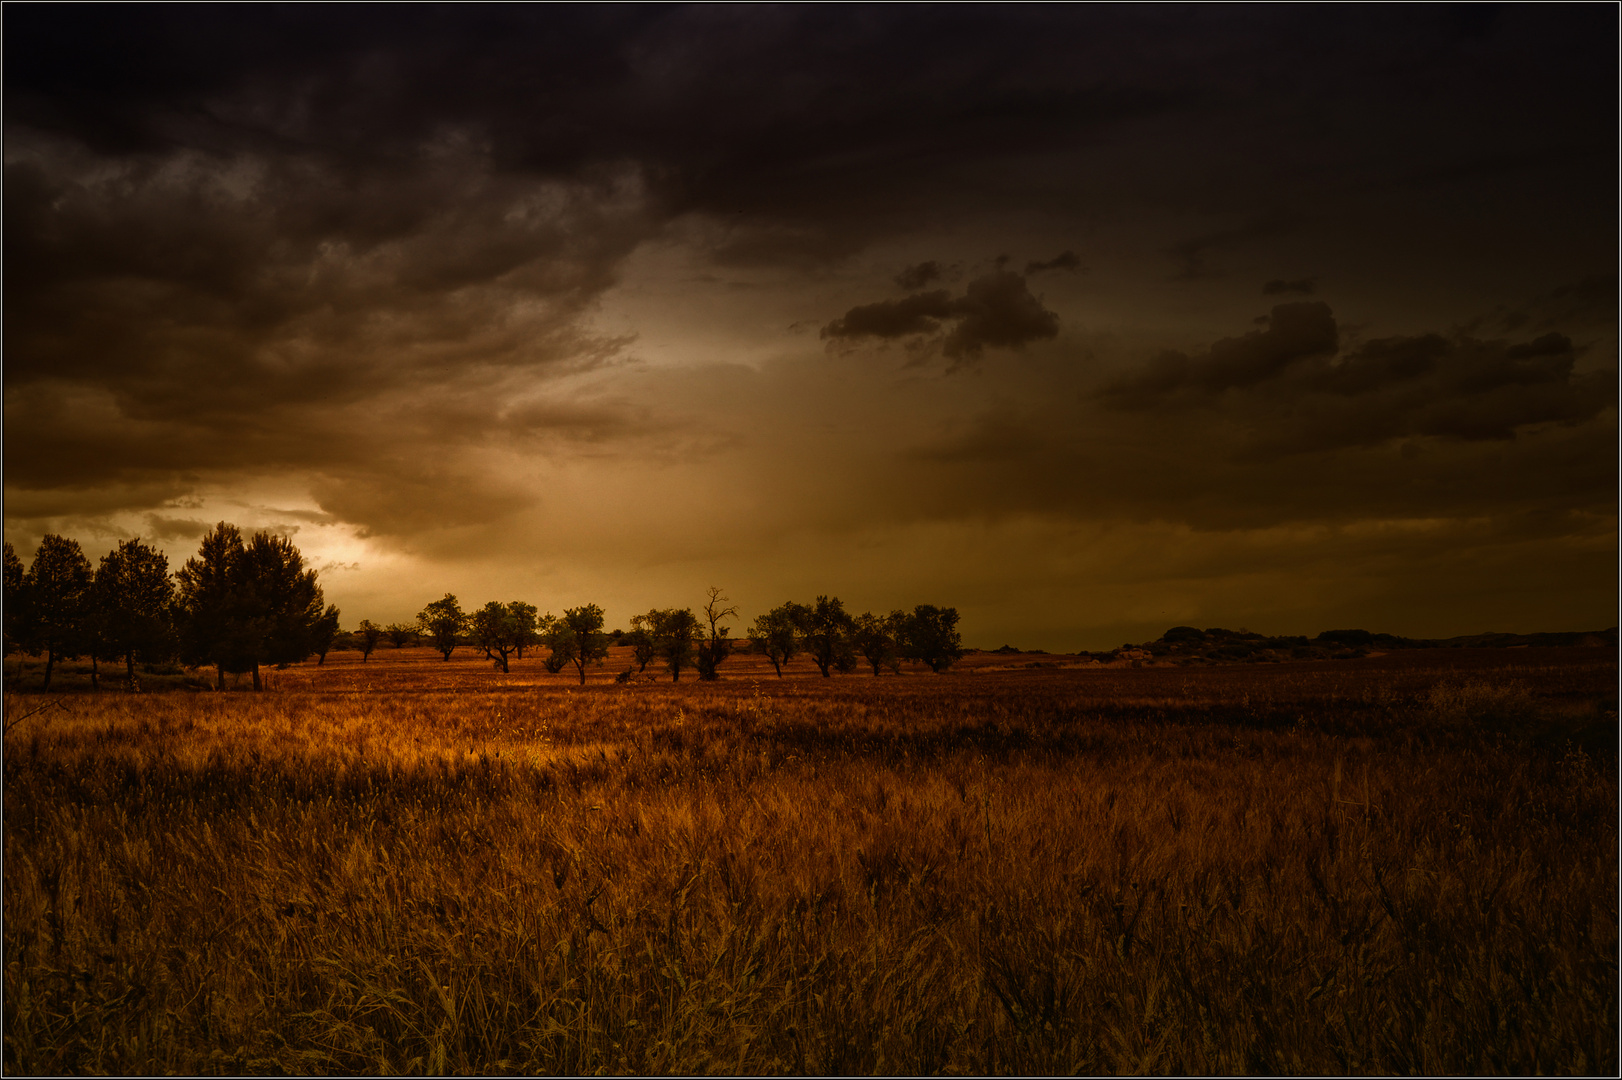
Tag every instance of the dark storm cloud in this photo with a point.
(299, 239)
(1065, 260)
(920, 313)
(1295, 332)
(1288, 390)
(920, 274)
(997, 310)
(1456, 388)
(1279, 287)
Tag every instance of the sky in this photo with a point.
(1086, 321)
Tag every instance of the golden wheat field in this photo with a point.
(1399, 864)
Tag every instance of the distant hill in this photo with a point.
(1216, 645)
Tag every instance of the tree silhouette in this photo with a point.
(526, 616)
(827, 636)
(778, 633)
(213, 626)
(443, 622)
(58, 588)
(716, 647)
(134, 604)
(16, 609)
(499, 631)
(877, 638)
(930, 634)
(324, 633)
(640, 639)
(282, 602)
(558, 639)
(366, 637)
(674, 630)
(585, 625)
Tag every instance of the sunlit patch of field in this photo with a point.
(1399, 864)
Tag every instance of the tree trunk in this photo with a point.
(257, 685)
(50, 662)
(129, 670)
(219, 671)
(95, 673)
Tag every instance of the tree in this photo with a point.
(247, 604)
(557, 637)
(212, 623)
(716, 647)
(585, 626)
(930, 634)
(134, 604)
(777, 633)
(640, 639)
(58, 588)
(827, 636)
(324, 633)
(499, 631)
(16, 609)
(877, 638)
(401, 634)
(366, 637)
(444, 622)
(282, 599)
(525, 615)
(674, 631)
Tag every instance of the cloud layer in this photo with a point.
(411, 275)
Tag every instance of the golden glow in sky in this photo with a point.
(1086, 321)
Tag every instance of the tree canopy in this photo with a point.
(134, 605)
(444, 623)
(57, 587)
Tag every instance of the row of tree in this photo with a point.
(242, 603)
(834, 640)
(238, 605)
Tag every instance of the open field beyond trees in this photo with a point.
(1395, 864)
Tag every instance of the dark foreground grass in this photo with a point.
(1346, 869)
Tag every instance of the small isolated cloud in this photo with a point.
(1300, 286)
(331, 567)
(919, 275)
(997, 310)
(920, 313)
(1065, 260)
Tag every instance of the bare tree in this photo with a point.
(717, 647)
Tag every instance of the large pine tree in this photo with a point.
(134, 602)
(247, 604)
(58, 590)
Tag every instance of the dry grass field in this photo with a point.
(1400, 864)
